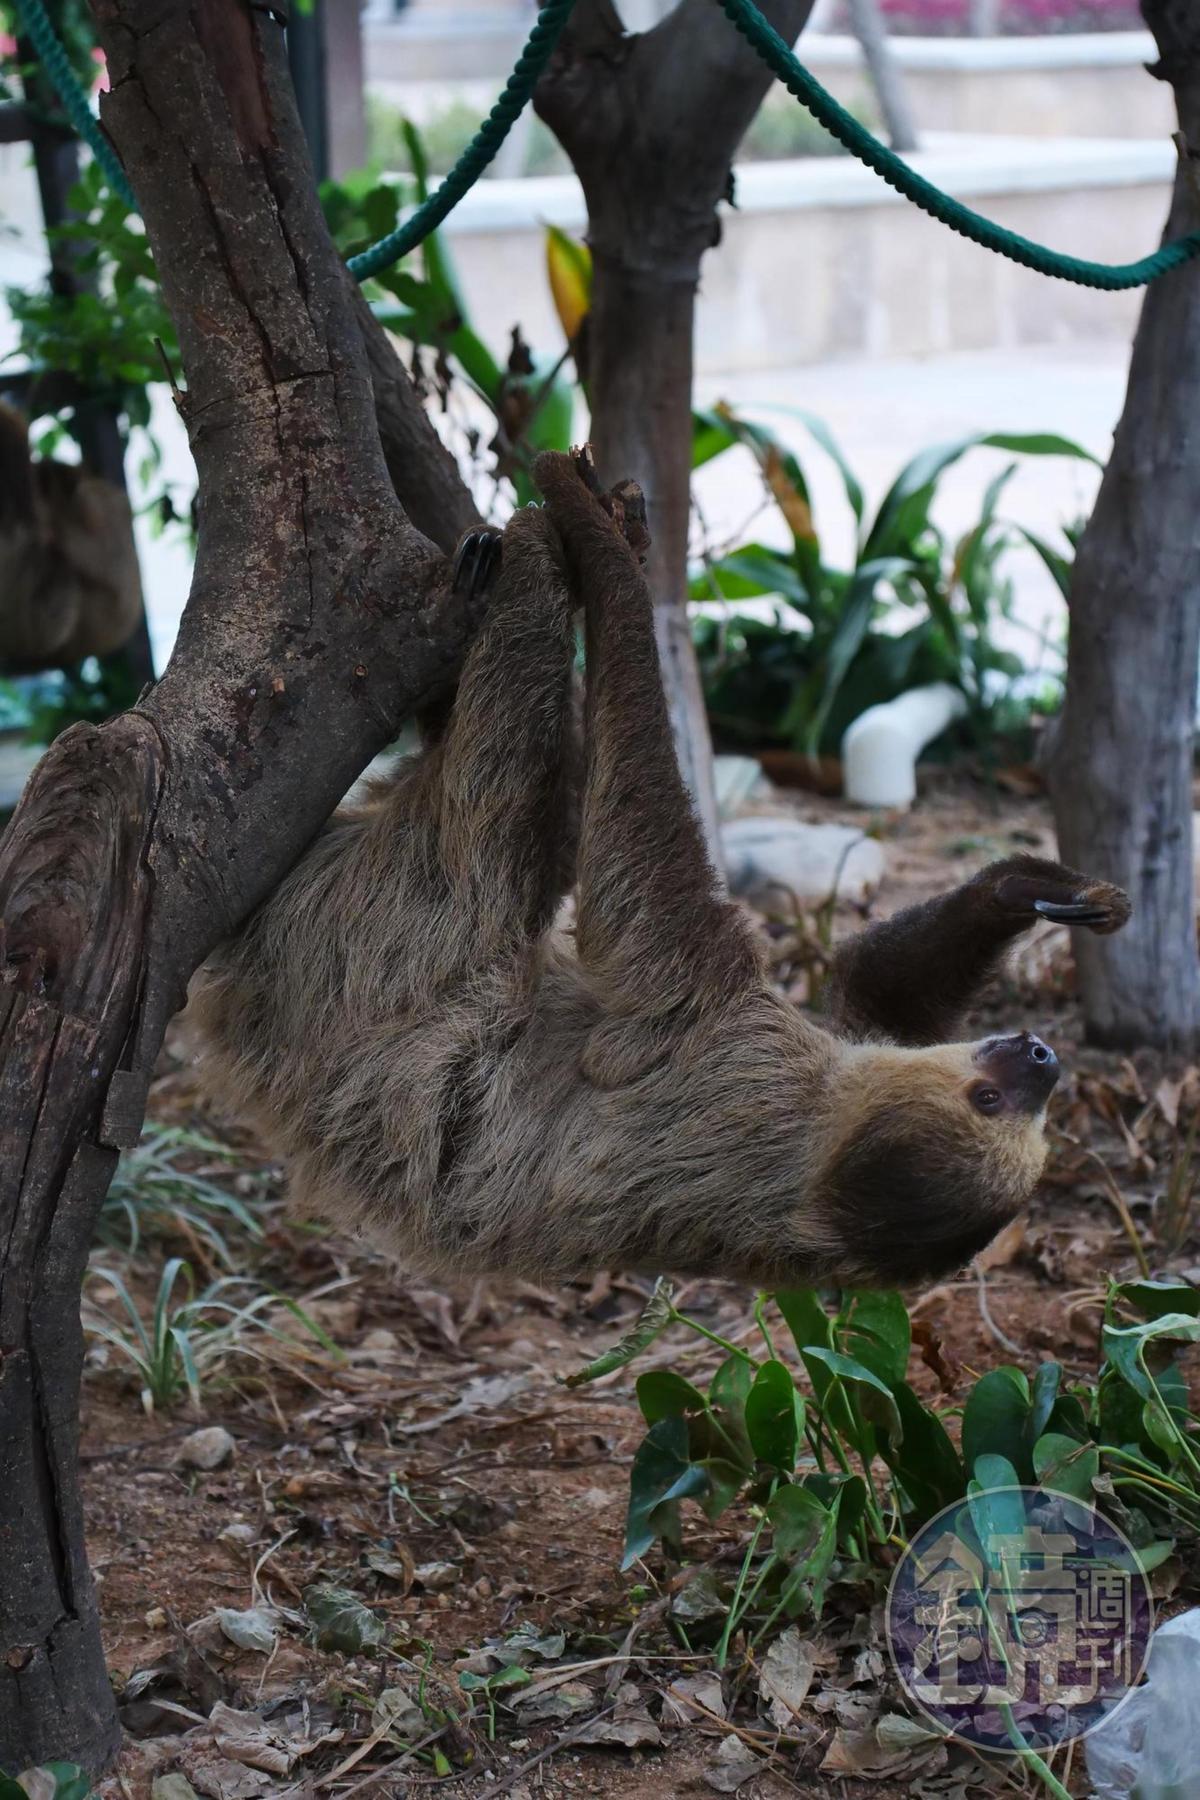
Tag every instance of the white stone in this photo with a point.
(207, 1449)
(768, 860)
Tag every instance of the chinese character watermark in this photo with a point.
(1019, 1616)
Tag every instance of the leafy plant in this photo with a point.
(189, 1337)
(839, 1459)
(49, 1781)
(913, 608)
(155, 1196)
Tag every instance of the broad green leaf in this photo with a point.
(725, 1482)
(805, 1317)
(662, 1394)
(662, 1473)
(748, 574)
(997, 1507)
(872, 1396)
(1043, 1398)
(805, 1537)
(874, 1327)
(1125, 1347)
(1151, 1556)
(925, 1461)
(775, 1417)
(1154, 1299)
(994, 1420)
(844, 1494)
(1066, 1466)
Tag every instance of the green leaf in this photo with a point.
(925, 1461)
(805, 1317)
(874, 1327)
(1125, 1348)
(1155, 1299)
(994, 1420)
(1043, 1398)
(725, 1482)
(805, 1537)
(775, 1417)
(904, 513)
(872, 1396)
(49, 1781)
(1151, 1556)
(662, 1472)
(662, 1394)
(341, 1622)
(996, 1504)
(651, 1322)
(1065, 1466)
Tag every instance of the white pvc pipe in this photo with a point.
(880, 749)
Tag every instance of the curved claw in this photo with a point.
(477, 559)
(1072, 912)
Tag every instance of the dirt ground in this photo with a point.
(435, 1466)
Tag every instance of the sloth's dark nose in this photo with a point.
(1023, 1067)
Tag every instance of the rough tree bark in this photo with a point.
(1121, 766)
(651, 122)
(319, 617)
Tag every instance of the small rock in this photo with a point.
(434, 1575)
(207, 1448)
(240, 1532)
(774, 861)
(156, 1619)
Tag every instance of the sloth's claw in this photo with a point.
(1072, 912)
(476, 560)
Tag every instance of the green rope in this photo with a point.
(57, 65)
(782, 61)
(478, 153)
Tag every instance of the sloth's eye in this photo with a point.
(987, 1099)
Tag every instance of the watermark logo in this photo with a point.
(1018, 1618)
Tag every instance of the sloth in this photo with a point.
(69, 582)
(479, 1090)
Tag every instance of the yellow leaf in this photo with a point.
(569, 266)
(788, 498)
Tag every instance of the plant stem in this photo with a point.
(731, 1616)
(760, 1321)
(678, 1318)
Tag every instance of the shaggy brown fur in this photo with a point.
(481, 1092)
(69, 583)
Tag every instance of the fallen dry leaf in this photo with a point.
(733, 1764)
(785, 1677)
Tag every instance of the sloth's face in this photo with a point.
(938, 1149)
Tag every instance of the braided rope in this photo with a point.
(782, 61)
(779, 58)
(478, 153)
(57, 65)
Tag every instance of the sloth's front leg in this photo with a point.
(1028, 888)
(914, 975)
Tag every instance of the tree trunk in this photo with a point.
(1122, 763)
(319, 618)
(651, 122)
